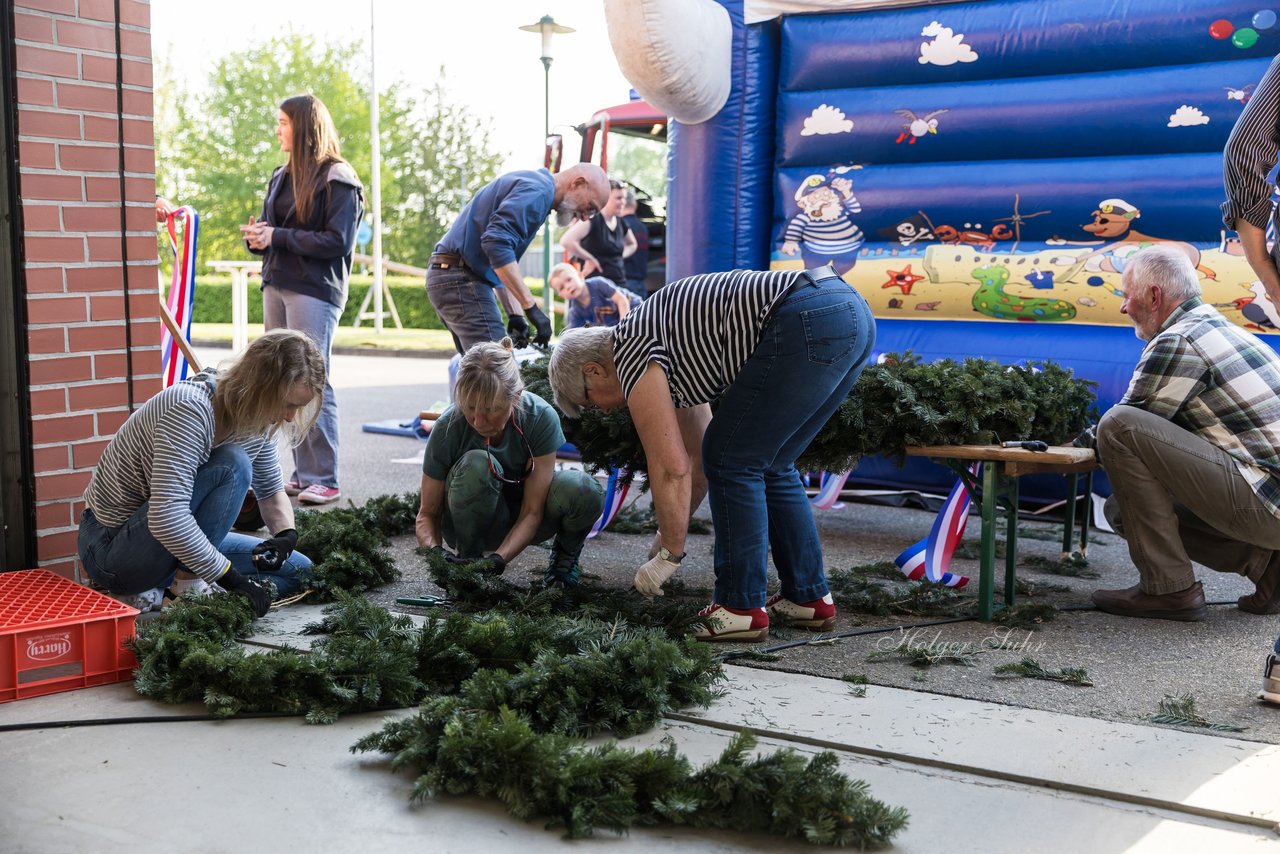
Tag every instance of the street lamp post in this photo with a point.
(547, 27)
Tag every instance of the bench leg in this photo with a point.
(987, 558)
(1011, 543)
(1087, 516)
(1069, 526)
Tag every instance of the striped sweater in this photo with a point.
(700, 330)
(1251, 152)
(154, 459)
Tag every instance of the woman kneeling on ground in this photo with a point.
(781, 350)
(489, 484)
(170, 484)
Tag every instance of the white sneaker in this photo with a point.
(147, 600)
(194, 586)
(1271, 680)
(722, 623)
(816, 616)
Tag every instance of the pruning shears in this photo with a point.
(423, 601)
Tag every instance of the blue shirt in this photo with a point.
(500, 221)
(601, 310)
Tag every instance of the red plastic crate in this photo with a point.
(56, 635)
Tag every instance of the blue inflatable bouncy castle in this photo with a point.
(981, 172)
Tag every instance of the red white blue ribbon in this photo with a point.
(182, 292)
(615, 492)
(828, 495)
(931, 557)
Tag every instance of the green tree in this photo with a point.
(220, 151)
(643, 162)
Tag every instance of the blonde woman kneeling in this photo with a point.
(171, 482)
(489, 484)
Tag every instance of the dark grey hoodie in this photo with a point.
(314, 258)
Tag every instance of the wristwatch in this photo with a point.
(668, 556)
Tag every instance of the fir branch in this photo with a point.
(1028, 616)
(472, 591)
(857, 592)
(858, 682)
(1030, 588)
(348, 545)
(1180, 710)
(1031, 669)
(927, 655)
(1073, 566)
(459, 750)
(637, 520)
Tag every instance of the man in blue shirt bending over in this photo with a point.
(482, 249)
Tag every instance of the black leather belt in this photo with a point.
(445, 261)
(817, 274)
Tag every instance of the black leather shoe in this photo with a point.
(1266, 598)
(1185, 605)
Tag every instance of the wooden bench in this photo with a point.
(999, 484)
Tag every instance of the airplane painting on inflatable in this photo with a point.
(981, 172)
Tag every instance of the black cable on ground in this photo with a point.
(165, 719)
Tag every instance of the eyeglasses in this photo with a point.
(528, 452)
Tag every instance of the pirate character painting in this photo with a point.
(823, 232)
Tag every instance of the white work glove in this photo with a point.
(654, 574)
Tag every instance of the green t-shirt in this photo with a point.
(452, 437)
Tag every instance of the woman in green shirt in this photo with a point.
(489, 484)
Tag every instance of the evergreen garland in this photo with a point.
(507, 694)
(894, 405)
(471, 591)
(582, 788)
(351, 542)
(368, 659)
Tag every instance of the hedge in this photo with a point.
(213, 301)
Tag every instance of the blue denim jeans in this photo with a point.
(809, 356)
(467, 305)
(130, 560)
(315, 460)
(479, 509)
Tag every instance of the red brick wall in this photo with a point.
(86, 357)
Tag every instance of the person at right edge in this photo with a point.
(482, 249)
(1251, 153)
(1192, 449)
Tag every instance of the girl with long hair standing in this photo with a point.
(306, 237)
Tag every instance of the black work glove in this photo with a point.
(491, 564)
(270, 554)
(540, 323)
(518, 329)
(259, 597)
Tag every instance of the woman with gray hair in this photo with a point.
(489, 484)
(781, 350)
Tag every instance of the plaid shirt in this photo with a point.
(1209, 376)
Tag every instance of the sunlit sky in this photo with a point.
(490, 65)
